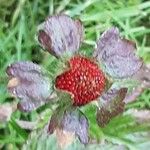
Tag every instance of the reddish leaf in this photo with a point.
(111, 105)
(117, 54)
(60, 34)
(29, 83)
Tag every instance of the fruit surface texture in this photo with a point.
(84, 80)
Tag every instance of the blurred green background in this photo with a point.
(18, 23)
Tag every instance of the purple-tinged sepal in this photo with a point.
(30, 83)
(60, 34)
(71, 121)
(117, 54)
(111, 104)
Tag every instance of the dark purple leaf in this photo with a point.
(30, 84)
(111, 105)
(54, 121)
(72, 121)
(117, 54)
(60, 34)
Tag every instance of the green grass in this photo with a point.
(18, 23)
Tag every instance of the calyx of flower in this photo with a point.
(117, 54)
(60, 34)
(111, 105)
(30, 83)
(71, 120)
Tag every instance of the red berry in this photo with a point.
(84, 80)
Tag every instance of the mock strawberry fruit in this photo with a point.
(84, 80)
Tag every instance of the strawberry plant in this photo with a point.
(105, 80)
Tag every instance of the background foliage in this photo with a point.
(18, 23)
